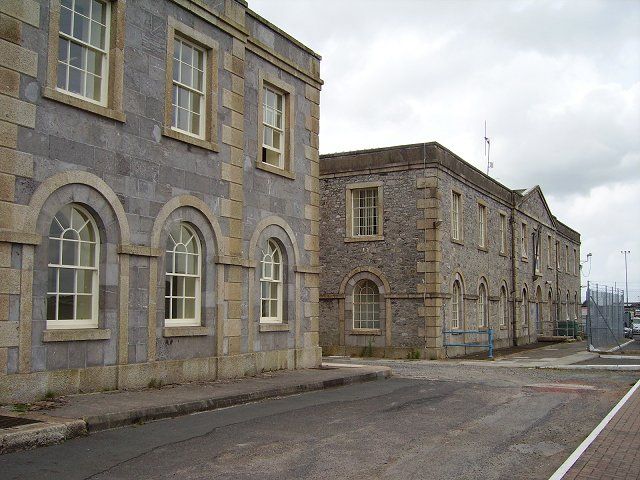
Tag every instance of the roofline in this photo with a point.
(411, 145)
(517, 195)
(278, 30)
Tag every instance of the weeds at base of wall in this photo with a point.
(154, 383)
(368, 350)
(20, 407)
(413, 355)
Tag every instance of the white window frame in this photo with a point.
(567, 307)
(549, 252)
(483, 317)
(503, 233)
(283, 123)
(55, 323)
(482, 225)
(566, 258)
(371, 213)
(172, 276)
(537, 245)
(557, 255)
(176, 85)
(104, 84)
(523, 239)
(525, 308)
(503, 306)
(370, 301)
(456, 215)
(268, 278)
(456, 304)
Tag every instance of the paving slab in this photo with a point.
(80, 414)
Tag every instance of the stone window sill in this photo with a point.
(459, 242)
(483, 249)
(365, 238)
(366, 331)
(503, 254)
(76, 334)
(53, 94)
(504, 327)
(183, 137)
(196, 331)
(275, 170)
(274, 327)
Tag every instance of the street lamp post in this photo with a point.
(626, 282)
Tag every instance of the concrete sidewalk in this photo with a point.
(76, 415)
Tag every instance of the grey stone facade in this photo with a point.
(137, 178)
(416, 260)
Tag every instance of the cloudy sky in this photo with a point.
(558, 83)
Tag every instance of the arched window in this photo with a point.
(72, 288)
(550, 305)
(567, 306)
(182, 278)
(576, 305)
(483, 318)
(504, 314)
(456, 305)
(525, 308)
(271, 284)
(366, 305)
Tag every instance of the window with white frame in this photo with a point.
(83, 49)
(364, 211)
(483, 317)
(366, 305)
(482, 225)
(566, 258)
(567, 309)
(456, 305)
(576, 262)
(72, 287)
(523, 239)
(503, 307)
(525, 308)
(189, 79)
(503, 233)
(273, 122)
(182, 277)
(536, 248)
(549, 252)
(271, 290)
(558, 255)
(456, 219)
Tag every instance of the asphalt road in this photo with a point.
(430, 422)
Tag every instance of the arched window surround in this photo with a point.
(504, 306)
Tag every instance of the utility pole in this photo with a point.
(626, 283)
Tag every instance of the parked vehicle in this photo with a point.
(628, 332)
(636, 326)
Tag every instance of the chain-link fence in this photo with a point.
(605, 317)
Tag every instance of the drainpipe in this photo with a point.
(514, 308)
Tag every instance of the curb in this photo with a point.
(41, 435)
(56, 430)
(631, 368)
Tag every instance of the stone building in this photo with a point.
(416, 242)
(159, 199)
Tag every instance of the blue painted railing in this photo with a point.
(488, 332)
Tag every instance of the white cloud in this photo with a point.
(557, 81)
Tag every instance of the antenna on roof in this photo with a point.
(487, 148)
